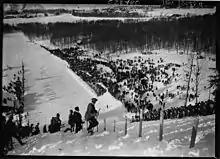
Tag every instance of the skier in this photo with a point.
(90, 116)
(77, 119)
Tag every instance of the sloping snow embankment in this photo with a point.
(103, 100)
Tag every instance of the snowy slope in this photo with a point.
(176, 141)
(51, 87)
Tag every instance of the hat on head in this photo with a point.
(94, 99)
(77, 108)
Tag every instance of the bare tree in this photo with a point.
(197, 73)
(188, 75)
(177, 47)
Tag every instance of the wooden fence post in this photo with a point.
(23, 78)
(161, 123)
(125, 125)
(194, 132)
(104, 124)
(140, 126)
(114, 125)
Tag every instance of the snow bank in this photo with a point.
(191, 11)
(65, 18)
(107, 99)
(81, 82)
(103, 133)
(98, 146)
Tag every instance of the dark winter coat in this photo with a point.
(90, 112)
(71, 120)
(77, 117)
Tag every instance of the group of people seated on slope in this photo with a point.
(75, 120)
(10, 129)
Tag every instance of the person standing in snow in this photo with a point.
(58, 122)
(77, 119)
(10, 130)
(36, 129)
(45, 129)
(71, 121)
(90, 115)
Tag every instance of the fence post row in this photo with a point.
(194, 132)
(104, 124)
(114, 125)
(140, 126)
(125, 125)
(161, 122)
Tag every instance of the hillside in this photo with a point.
(33, 7)
(21, 7)
(108, 143)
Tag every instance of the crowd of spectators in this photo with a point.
(199, 109)
(129, 80)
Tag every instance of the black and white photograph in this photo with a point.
(122, 78)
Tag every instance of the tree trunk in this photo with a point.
(188, 83)
(177, 49)
(209, 93)
(197, 79)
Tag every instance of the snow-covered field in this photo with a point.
(175, 142)
(51, 87)
(72, 19)
(170, 12)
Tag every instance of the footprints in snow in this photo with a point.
(49, 93)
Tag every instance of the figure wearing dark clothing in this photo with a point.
(45, 129)
(55, 124)
(3, 121)
(58, 122)
(91, 114)
(31, 129)
(71, 121)
(10, 130)
(77, 119)
(36, 129)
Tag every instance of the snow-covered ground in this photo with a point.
(176, 140)
(51, 87)
(70, 18)
(170, 12)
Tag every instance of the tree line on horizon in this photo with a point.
(116, 35)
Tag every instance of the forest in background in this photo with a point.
(115, 35)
